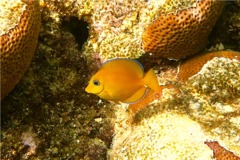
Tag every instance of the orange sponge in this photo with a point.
(193, 65)
(221, 153)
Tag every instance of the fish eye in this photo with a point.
(96, 82)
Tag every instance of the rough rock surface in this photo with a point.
(176, 126)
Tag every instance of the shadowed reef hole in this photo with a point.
(79, 28)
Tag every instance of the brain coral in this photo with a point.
(18, 40)
(182, 33)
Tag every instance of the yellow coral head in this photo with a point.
(95, 86)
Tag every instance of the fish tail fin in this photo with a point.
(150, 80)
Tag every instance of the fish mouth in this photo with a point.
(95, 91)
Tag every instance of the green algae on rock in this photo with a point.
(65, 122)
(206, 109)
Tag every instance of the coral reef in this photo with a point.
(193, 65)
(168, 136)
(116, 29)
(182, 33)
(182, 72)
(51, 102)
(18, 40)
(148, 99)
(49, 116)
(177, 125)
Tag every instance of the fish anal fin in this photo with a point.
(150, 97)
(139, 94)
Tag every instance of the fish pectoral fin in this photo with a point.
(138, 95)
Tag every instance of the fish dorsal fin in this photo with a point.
(130, 65)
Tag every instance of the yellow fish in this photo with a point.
(122, 80)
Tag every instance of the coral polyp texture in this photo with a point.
(18, 40)
(182, 33)
(116, 27)
(221, 153)
(177, 125)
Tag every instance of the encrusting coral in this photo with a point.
(208, 100)
(193, 65)
(182, 73)
(116, 28)
(182, 33)
(18, 40)
(221, 153)
(161, 136)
